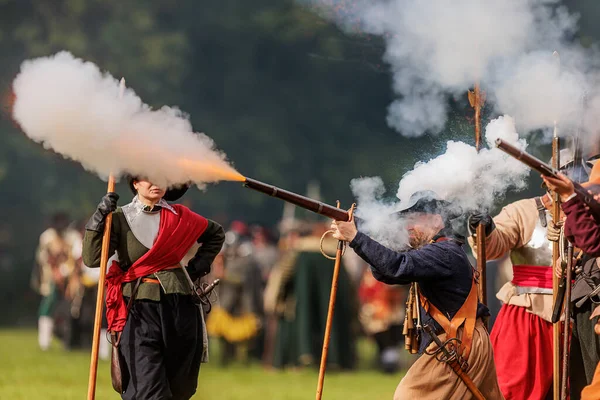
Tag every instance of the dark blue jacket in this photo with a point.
(441, 269)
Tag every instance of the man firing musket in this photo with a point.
(447, 294)
(580, 228)
(580, 206)
(522, 229)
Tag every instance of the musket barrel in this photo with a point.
(526, 158)
(546, 170)
(298, 200)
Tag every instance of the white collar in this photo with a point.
(136, 208)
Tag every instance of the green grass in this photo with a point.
(26, 373)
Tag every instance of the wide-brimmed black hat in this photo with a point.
(425, 201)
(173, 193)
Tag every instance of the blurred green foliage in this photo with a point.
(287, 95)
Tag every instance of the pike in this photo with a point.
(566, 324)
(91, 395)
(477, 99)
(555, 254)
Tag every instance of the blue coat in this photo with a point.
(441, 269)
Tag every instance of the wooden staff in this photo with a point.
(566, 325)
(101, 288)
(555, 255)
(477, 99)
(332, 296)
(555, 281)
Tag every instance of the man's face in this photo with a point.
(422, 228)
(148, 190)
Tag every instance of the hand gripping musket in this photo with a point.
(447, 353)
(546, 170)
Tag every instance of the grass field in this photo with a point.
(26, 373)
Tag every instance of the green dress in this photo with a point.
(305, 296)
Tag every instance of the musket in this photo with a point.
(450, 356)
(567, 324)
(546, 170)
(299, 200)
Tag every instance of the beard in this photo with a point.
(419, 239)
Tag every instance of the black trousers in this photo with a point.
(161, 349)
(585, 350)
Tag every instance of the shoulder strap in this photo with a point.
(541, 211)
(466, 315)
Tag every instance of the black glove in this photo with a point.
(107, 205)
(483, 219)
(197, 268)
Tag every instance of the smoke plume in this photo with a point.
(73, 108)
(438, 48)
(471, 181)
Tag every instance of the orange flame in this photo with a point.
(7, 103)
(202, 168)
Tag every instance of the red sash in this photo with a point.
(176, 235)
(533, 276)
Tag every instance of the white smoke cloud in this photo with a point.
(73, 108)
(377, 215)
(470, 180)
(439, 48)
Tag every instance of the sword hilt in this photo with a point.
(447, 350)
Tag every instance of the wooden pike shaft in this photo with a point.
(555, 282)
(332, 297)
(566, 326)
(101, 288)
(100, 299)
(477, 99)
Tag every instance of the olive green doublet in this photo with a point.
(130, 250)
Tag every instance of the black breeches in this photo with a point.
(585, 350)
(161, 349)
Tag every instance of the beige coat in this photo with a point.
(429, 379)
(515, 227)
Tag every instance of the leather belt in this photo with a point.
(150, 280)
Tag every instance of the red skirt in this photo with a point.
(522, 344)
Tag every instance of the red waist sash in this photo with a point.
(176, 235)
(537, 276)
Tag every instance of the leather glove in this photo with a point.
(483, 219)
(553, 231)
(197, 268)
(107, 205)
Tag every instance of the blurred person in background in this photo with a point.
(236, 318)
(55, 277)
(265, 250)
(298, 293)
(381, 316)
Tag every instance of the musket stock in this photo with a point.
(300, 201)
(546, 170)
